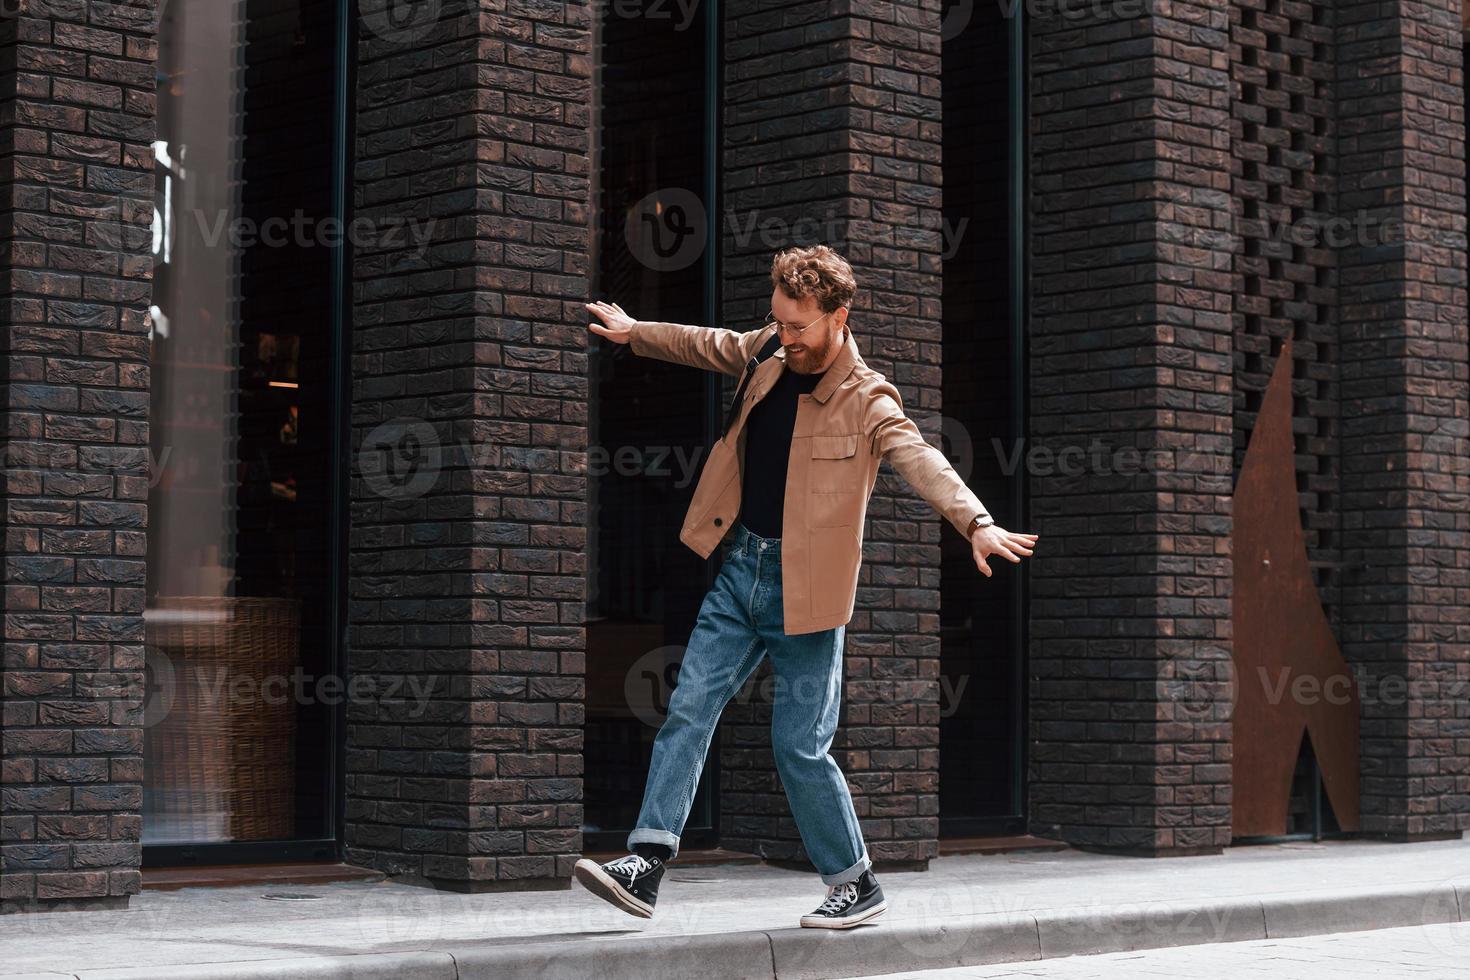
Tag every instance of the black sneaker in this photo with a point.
(630, 883)
(848, 904)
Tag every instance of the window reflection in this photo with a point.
(647, 422)
(236, 740)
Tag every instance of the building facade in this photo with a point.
(332, 535)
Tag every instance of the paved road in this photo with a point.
(1438, 952)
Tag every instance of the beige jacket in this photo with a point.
(844, 429)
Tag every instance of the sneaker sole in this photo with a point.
(808, 922)
(604, 886)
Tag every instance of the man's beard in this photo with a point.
(810, 360)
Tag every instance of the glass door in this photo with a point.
(982, 640)
(243, 609)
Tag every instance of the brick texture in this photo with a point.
(468, 362)
(76, 162)
(1401, 117)
(832, 132)
(1131, 349)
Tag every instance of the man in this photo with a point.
(788, 483)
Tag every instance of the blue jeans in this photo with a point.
(739, 623)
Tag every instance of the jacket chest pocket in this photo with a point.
(835, 466)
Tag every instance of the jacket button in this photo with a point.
(719, 522)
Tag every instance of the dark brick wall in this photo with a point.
(1404, 410)
(1131, 346)
(76, 161)
(832, 131)
(472, 584)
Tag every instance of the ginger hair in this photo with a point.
(814, 270)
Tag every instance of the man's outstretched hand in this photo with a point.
(996, 540)
(616, 325)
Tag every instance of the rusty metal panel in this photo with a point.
(1290, 677)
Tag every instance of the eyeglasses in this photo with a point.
(782, 328)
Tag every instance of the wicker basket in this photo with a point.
(219, 744)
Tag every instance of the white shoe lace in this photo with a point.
(837, 897)
(633, 865)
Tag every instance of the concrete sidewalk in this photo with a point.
(740, 920)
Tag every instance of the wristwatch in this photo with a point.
(981, 520)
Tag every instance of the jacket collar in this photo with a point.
(847, 359)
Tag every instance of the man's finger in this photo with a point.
(981, 564)
(599, 329)
(1005, 552)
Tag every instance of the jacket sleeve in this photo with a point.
(710, 348)
(898, 440)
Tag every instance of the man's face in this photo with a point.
(814, 348)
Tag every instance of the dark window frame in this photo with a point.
(324, 849)
(702, 828)
(1018, 58)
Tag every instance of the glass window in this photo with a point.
(981, 697)
(239, 622)
(649, 419)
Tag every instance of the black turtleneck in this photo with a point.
(768, 431)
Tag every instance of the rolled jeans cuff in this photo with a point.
(851, 874)
(648, 835)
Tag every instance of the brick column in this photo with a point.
(77, 181)
(469, 433)
(1131, 354)
(833, 135)
(1401, 117)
